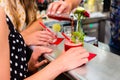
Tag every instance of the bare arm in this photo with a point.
(35, 26)
(48, 73)
(4, 48)
(31, 32)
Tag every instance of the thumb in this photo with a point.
(44, 49)
(42, 63)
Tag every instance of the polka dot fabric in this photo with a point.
(18, 55)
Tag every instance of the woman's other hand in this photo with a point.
(68, 60)
(34, 62)
(39, 38)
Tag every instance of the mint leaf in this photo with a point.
(77, 37)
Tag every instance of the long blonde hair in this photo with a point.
(30, 10)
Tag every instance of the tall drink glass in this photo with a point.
(68, 45)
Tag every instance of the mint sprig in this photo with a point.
(77, 37)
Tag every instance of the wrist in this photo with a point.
(55, 68)
(59, 66)
(24, 35)
(26, 40)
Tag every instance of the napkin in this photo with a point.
(91, 56)
(58, 41)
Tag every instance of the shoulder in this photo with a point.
(2, 16)
(3, 24)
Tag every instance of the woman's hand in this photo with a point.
(59, 7)
(38, 38)
(33, 63)
(68, 60)
(72, 58)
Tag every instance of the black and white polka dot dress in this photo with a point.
(18, 54)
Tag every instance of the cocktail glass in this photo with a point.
(68, 45)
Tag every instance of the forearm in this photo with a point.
(35, 26)
(73, 3)
(50, 72)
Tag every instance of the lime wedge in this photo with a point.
(56, 27)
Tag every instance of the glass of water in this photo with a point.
(67, 30)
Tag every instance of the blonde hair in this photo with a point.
(30, 10)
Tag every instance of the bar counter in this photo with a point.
(105, 66)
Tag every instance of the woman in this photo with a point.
(22, 13)
(15, 65)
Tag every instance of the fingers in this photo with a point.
(45, 33)
(39, 50)
(44, 41)
(78, 52)
(41, 38)
(42, 49)
(53, 7)
(41, 43)
(49, 8)
(44, 36)
(58, 7)
(83, 61)
(73, 58)
(63, 9)
(84, 55)
(34, 65)
(81, 53)
(41, 63)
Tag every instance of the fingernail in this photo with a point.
(52, 12)
(48, 13)
(49, 50)
(58, 12)
(45, 61)
(50, 40)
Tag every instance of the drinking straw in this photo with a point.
(60, 17)
(66, 37)
(46, 28)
